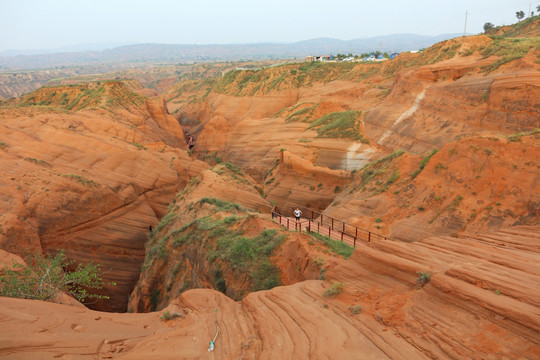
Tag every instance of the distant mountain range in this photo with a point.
(65, 49)
(170, 53)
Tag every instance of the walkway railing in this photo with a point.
(319, 223)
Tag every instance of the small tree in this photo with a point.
(488, 26)
(520, 15)
(538, 8)
(45, 277)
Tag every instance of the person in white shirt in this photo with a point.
(297, 214)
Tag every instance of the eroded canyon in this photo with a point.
(438, 151)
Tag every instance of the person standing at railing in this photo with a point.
(297, 213)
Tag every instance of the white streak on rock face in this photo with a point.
(354, 159)
(405, 115)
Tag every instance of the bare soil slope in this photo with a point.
(472, 185)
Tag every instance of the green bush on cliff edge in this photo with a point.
(45, 277)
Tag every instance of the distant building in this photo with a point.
(320, 58)
(394, 55)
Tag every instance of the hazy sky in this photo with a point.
(45, 24)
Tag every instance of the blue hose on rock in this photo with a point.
(213, 342)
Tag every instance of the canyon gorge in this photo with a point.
(437, 151)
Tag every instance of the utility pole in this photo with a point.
(529, 10)
(465, 30)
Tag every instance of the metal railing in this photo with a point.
(314, 221)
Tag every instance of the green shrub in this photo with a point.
(338, 125)
(356, 309)
(81, 179)
(393, 178)
(457, 200)
(165, 221)
(45, 277)
(265, 276)
(322, 270)
(212, 158)
(423, 163)
(440, 167)
(322, 273)
(251, 255)
(229, 220)
(319, 262)
(508, 49)
(299, 112)
(337, 247)
(207, 223)
(423, 277)
(36, 161)
(169, 316)
(334, 289)
(222, 205)
(517, 136)
(139, 146)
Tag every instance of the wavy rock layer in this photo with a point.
(90, 181)
(481, 303)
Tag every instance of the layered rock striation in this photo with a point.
(90, 181)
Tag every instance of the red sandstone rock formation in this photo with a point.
(90, 181)
(470, 186)
(481, 302)
(179, 251)
(88, 168)
(432, 100)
